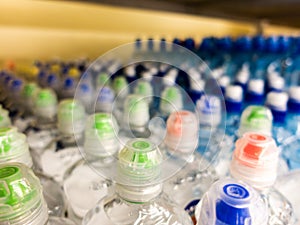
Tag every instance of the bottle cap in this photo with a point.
(105, 99)
(256, 86)
(256, 118)
(69, 83)
(30, 89)
(130, 71)
(139, 163)
(234, 93)
(224, 81)
(144, 88)
(52, 79)
(101, 136)
(102, 80)
(277, 83)
(70, 117)
(197, 85)
(120, 86)
(16, 85)
(277, 100)
(255, 160)
(21, 195)
(294, 93)
(171, 100)
(136, 111)
(45, 102)
(4, 118)
(182, 132)
(231, 202)
(209, 109)
(14, 147)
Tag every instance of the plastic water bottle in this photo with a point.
(102, 80)
(105, 99)
(29, 91)
(233, 101)
(4, 118)
(288, 185)
(120, 87)
(55, 160)
(214, 144)
(293, 115)
(135, 118)
(100, 146)
(85, 94)
(231, 202)
(23, 202)
(255, 161)
(224, 81)
(138, 197)
(242, 77)
(255, 92)
(171, 100)
(45, 108)
(54, 82)
(196, 174)
(68, 88)
(14, 148)
(277, 103)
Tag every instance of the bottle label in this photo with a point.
(236, 191)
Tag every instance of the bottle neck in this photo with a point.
(138, 194)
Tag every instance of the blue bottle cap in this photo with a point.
(284, 43)
(84, 88)
(16, 85)
(138, 44)
(224, 43)
(150, 44)
(189, 43)
(259, 43)
(272, 44)
(69, 83)
(177, 41)
(243, 43)
(231, 202)
(163, 44)
(51, 79)
(207, 44)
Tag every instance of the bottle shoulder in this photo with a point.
(116, 211)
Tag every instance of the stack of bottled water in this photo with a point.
(155, 143)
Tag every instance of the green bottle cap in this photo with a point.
(103, 80)
(30, 89)
(139, 161)
(45, 97)
(119, 84)
(256, 118)
(144, 88)
(20, 191)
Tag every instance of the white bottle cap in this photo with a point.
(234, 92)
(243, 76)
(153, 70)
(277, 82)
(197, 84)
(169, 80)
(294, 93)
(194, 74)
(224, 81)
(172, 73)
(217, 73)
(130, 71)
(148, 76)
(256, 86)
(277, 100)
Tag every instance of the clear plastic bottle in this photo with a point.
(22, 201)
(100, 146)
(288, 185)
(135, 118)
(64, 152)
(105, 99)
(255, 161)
(171, 101)
(14, 148)
(231, 202)
(194, 173)
(214, 144)
(255, 92)
(233, 101)
(138, 197)
(4, 118)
